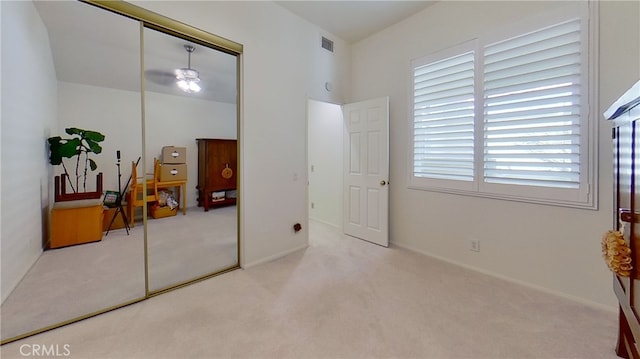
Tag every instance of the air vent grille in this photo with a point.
(327, 44)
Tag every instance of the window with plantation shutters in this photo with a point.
(508, 117)
(443, 123)
(532, 95)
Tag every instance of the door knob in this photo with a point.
(383, 182)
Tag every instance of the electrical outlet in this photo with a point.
(474, 245)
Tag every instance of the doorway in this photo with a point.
(325, 143)
(349, 156)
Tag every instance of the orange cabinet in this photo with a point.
(72, 224)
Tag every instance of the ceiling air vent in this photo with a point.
(327, 44)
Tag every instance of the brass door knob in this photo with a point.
(383, 182)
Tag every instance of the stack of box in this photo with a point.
(173, 164)
(173, 167)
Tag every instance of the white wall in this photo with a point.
(328, 67)
(619, 53)
(170, 121)
(92, 108)
(325, 162)
(554, 248)
(277, 80)
(28, 117)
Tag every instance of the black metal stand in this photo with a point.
(119, 209)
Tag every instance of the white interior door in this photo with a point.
(366, 170)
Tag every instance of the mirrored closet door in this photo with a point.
(185, 242)
(126, 86)
(93, 57)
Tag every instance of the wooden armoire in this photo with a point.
(624, 116)
(217, 172)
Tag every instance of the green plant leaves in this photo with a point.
(83, 141)
(55, 155)
(85, 134)
(70, 147)
(91, 138)
(74, 131)
(62, 148)
(94, 146)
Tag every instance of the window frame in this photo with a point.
(586, 196)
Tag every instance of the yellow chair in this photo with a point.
(135, 196)
(156, 170)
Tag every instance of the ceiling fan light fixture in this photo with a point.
(188, 78)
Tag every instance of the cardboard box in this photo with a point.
(174, 155)
(161, 212)
(173, 172)
(218, 196)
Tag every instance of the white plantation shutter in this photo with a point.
(507, 115)
(443, 93)
(532, 97)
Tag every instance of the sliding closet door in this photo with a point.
(73, 67)
(91, 68)
(185, 243)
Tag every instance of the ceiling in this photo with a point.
(353, 21)
(93, 47)
(108, 55)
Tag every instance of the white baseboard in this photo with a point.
(332, 225)
(273, 257)
(510, 279)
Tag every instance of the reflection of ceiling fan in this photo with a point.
(186, 78)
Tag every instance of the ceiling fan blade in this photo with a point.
(160, 77)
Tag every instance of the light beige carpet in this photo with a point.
(344, 298)
(70, 282)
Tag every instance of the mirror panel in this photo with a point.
(186, 243)
(86, 63)
(96, 60)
